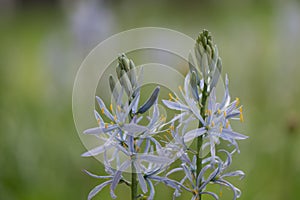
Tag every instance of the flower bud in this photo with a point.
(112, 86)
(193, 82)
(152, 99)
(125, 82)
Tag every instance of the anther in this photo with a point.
(241, 114)
(237, 101)
(119, 108)
(180, 88)
(227, 124)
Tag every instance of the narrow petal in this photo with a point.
(152, 190)
(166, 181)
(228, 159)
(210, 178)
(136, 103)
(193, 134)
(130, 143)
(96, 176)
(211, 194)
(99, 119)
(134, 129)
(186, 85)
(201, 174)
(155, 159)
(99, 130)
(132, 104)
(141, 178)
(226, 98)
(188, 174)
(234, 135)
(174, 170)
(195, 110)
(104, 109)
(216, 74)
(97, 189)
(155, 116)
(237, 192)
(117, 177)
(239, 173)
(94, 131)
(175, 105)
(94, 151)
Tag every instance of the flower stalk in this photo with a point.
(133, 182)
(200, 138)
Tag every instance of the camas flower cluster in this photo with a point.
(131, 139)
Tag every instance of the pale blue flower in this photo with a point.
(220, 178)
(218, 115)
(115, 177)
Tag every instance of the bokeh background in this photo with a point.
(43, 42)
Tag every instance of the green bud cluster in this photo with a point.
(127, 76)
(205, 65)
(129, 81)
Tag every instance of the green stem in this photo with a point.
(133, 170)
(200, 138)
(133, 183)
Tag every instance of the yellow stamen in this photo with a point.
(98, 121)
(180, 88)
(195, 192)
(166, 137)
(111, 107)
(227, 124)
(102, 110)
(241, 114)
(137, 149)
(225, 114)
(115, 117)
(221, 129)
(221, 193)
(171, 96)
(119, 108)
(162, 118)
(237, 101)
(212, 124)
(106, 125)
(112, 123)
(171, 128)
(219, 111)
(209, 112)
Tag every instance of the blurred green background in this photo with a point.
(42, 44)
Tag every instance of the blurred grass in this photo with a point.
(40, 149)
